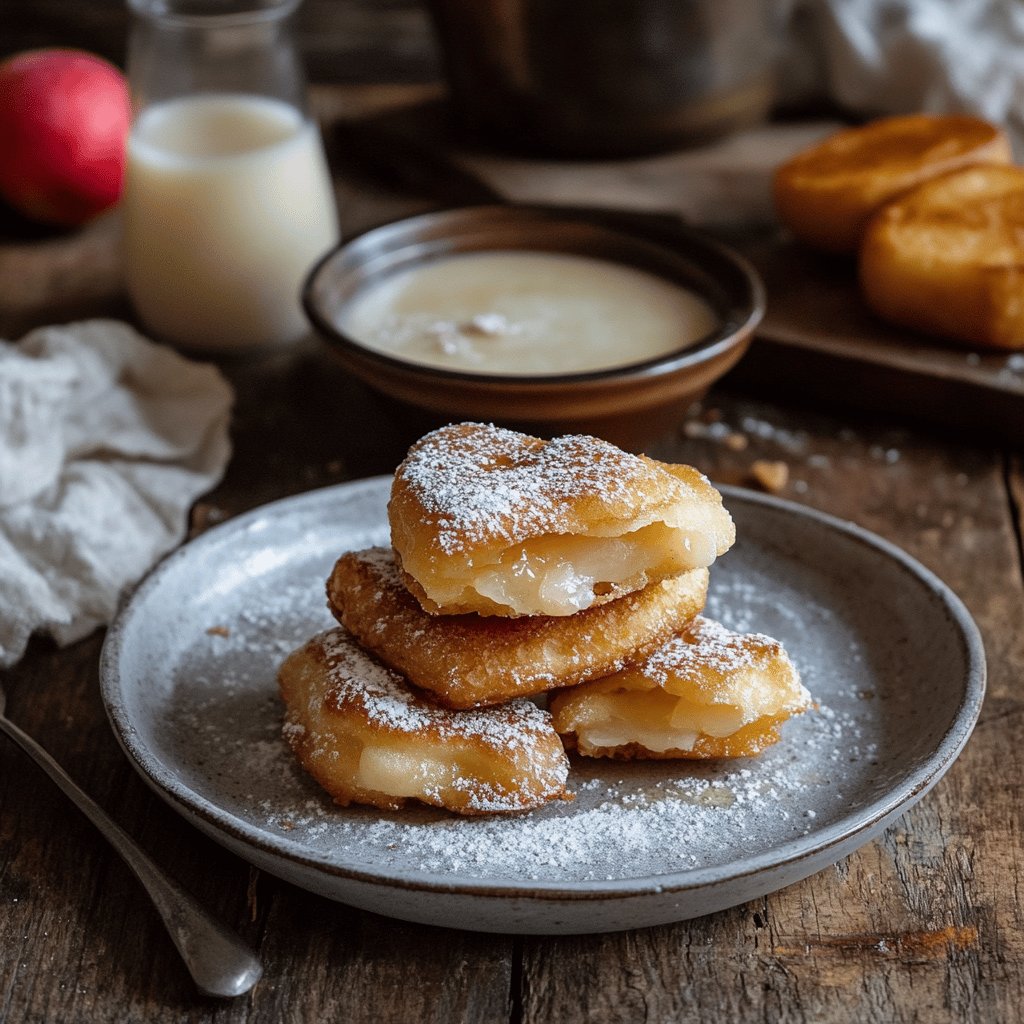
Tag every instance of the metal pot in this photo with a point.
(607, 77)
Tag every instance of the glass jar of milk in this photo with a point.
(228, 200)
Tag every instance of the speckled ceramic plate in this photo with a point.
(890, 653)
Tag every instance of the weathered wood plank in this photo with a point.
(78, 939)
(328, 962)
(923, 925)
(928, 906)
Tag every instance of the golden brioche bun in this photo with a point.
(826, 194)
(948, 257)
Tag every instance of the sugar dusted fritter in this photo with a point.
(496, 522)
(472, 660)
(827, 193)
(706, 693)
(368, 737)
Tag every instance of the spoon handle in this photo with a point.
(219, 962)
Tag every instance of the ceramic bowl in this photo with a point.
(629, 405)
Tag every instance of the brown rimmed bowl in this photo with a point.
(629, 405)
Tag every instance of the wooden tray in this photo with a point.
(819, 341)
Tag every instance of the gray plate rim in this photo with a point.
(817, 841)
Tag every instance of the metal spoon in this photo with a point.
(219, 962)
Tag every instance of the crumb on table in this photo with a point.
(772, 476)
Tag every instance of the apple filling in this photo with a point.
(562, 574)
(415, 771)
(359, 763)
(708, 692)
(655, 720)
(368, 737)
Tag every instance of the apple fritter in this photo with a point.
(707, 693)
(496, 522)
(474, 660)
(368, 737)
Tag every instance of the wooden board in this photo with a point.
(819, 341)
(48, 275)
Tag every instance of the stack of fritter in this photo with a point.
(523, 566)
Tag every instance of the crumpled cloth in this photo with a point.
(901, 56)
(106, 439)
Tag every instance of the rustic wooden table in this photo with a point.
(923, 925)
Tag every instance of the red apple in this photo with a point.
(64, 118)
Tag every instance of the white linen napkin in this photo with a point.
(902, 56)
(106, 439)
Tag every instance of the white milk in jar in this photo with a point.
(228, 203)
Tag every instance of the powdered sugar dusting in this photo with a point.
(478, 483)
(720, 663)
(389, 703)
(708, 645)
(627, 818)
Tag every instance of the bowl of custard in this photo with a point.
(552, 320)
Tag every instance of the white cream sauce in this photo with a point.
(526, 313)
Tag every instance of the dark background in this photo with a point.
(340, 39)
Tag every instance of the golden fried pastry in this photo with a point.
(826, 194)
(369, 738)
(706, 693)
(472, 660)
(946, 258)
(491, 521)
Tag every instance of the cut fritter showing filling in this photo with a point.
(368, 737)
(491, 521)
(474, 660)
(560, 575)
(708, 692)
